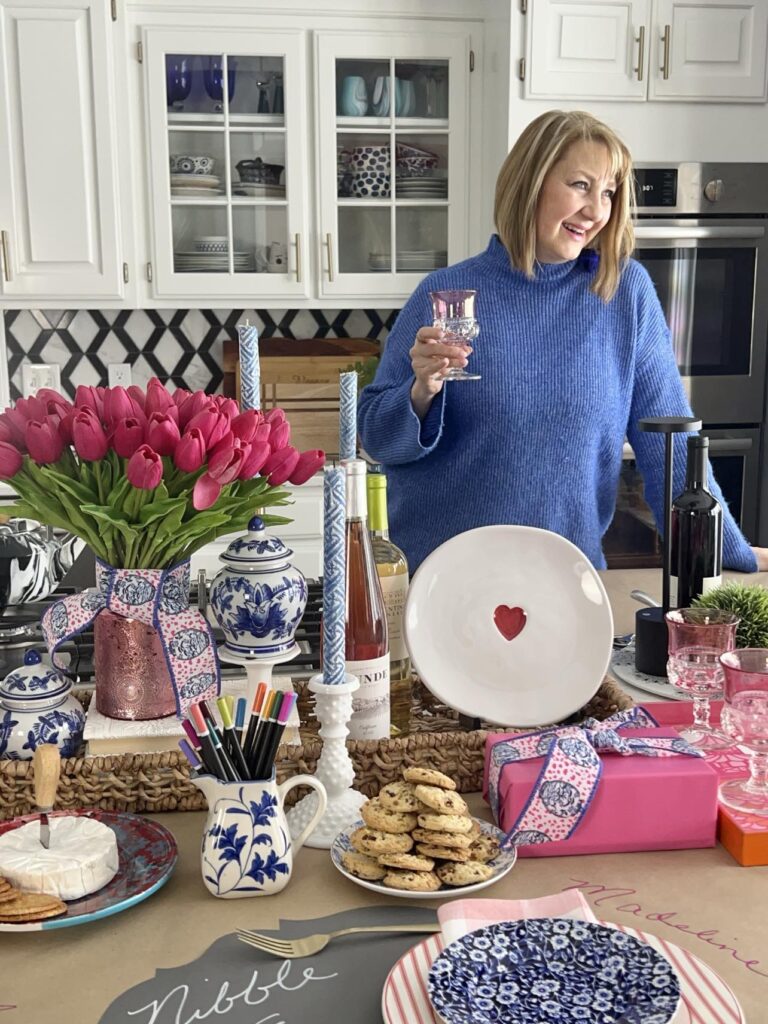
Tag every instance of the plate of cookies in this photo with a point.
(417, 840)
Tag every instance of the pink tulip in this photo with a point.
(159, 400)
(279, 436)
(205, 492)
(48, 395)
(44, 442)
(225, 466)
(88, 398)
(137, 395)
(211, 423)
(275, 415)
(258, 455)
(128, 436)
(15, 426)
(10, 460)
(195, 404)
(145, 468)
(163, 433)
(246, 424)
(117, 406)
(229, 407)
(280, 465)
(224, 445)
(190, 451)
(65, 426)
(88, 435)
(180, 396)
(308, 464)
(262, 434)
(31, 408)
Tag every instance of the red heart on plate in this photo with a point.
(509, 621)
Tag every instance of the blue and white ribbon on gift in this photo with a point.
(571, 772)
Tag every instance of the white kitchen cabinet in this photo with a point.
(393, 117)
(59, 199)
(710, 49)
(303, 232)
(647, 49)
(228, 155)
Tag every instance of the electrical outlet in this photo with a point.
(119, 375)
(39, 375)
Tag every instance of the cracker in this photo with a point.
(31, 905)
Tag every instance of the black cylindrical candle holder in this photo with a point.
(651, 638)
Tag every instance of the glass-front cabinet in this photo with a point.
(394, 159)
(228, 159)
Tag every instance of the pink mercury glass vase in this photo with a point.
(132, 678)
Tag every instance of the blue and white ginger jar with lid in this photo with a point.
(36, 707)
(259, 597)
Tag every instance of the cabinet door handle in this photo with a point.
(329, 245)
(640, 53)
(6, 258)
(297, 243)
(666, 40)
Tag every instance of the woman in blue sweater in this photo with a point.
(573, 350)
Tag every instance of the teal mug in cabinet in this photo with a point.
(247, 847)
(354, 96)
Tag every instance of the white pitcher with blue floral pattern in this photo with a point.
(247, 847)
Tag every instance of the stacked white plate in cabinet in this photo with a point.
(421, 188)
(253, 189)
(212, 262)
(427, 259)
(196, 185)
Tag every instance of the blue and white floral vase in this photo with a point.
(36, 707)
(259, 597)
(247, 847)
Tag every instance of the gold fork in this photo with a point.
(291, 949)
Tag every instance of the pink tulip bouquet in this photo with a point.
(147, 478)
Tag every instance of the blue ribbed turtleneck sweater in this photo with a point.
(538, 440)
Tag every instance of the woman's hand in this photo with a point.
(761, 554)
(431, 360)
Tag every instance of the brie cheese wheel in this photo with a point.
(82, 857)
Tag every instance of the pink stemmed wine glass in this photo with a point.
(697, 638)
(454, 313)
(745, 720)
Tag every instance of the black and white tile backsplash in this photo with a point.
(179, 346)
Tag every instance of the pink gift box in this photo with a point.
(641, 803)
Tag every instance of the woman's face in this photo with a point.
(574, 202)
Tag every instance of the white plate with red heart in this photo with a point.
(510, 624)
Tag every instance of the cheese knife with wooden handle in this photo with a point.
(46, 765)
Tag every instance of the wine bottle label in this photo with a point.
(395, 591)
(370, 704)
(708, 583)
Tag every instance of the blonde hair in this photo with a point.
(542, 144)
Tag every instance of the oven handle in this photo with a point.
(683, 234)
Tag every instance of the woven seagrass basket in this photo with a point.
(150, 783)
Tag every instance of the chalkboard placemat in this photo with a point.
(232, 983)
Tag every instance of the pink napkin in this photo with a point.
(459, 917)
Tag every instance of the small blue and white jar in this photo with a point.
(36, 707)
(259, 597)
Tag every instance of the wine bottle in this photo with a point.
(697, 532)
(367, 645)
(392, 568)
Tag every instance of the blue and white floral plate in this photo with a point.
(556, 970)
(501, 866)
(147, 852)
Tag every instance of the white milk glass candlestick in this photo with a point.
(454, 313)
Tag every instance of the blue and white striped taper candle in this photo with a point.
(334, 574)
(250, 372)
(348, 415)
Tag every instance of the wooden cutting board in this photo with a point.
(302, 377)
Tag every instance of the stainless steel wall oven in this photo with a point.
(702, 234)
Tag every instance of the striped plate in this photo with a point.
(708, 999)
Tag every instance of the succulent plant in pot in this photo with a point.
(749, 603)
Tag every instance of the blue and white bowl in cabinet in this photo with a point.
(259, 597)
(36, 707)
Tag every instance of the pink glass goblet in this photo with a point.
(454, 313)
(745, 719)
(697, 638)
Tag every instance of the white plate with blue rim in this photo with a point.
(552, 969)
(511, 624)
(500, 865)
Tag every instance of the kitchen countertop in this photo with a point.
(700, 899)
